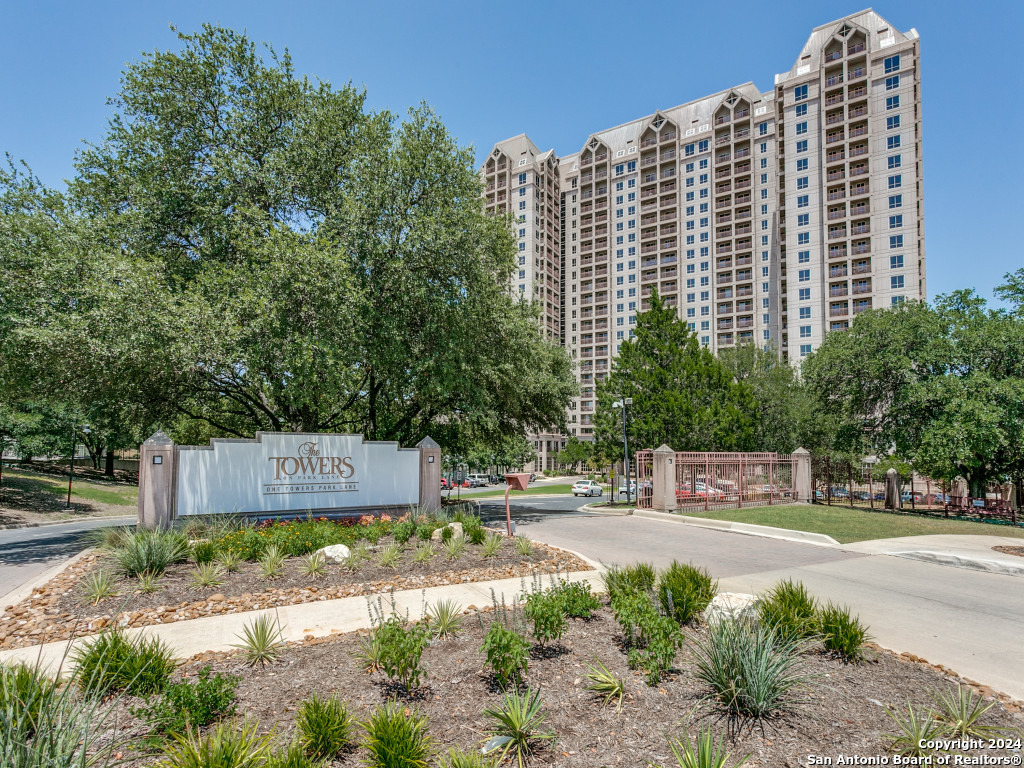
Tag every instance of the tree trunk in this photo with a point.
(109, 468)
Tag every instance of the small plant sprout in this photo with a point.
(206, 575)
(261, 640)
(368, 653)
(605, 684)
(390, 555)
(492, 544)
(444, 618)
(523, 546)
(314, 565)
(454, 546)
(272, 563)
(916, 729)
(230, 561)
(423, 553)
(706, 753)
(99, 586)
(148, 582)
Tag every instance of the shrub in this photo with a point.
(960, 711)
(476, 534)
(314, 565)
(325, 727)
(404, 530)
(751, 668)
(446, 534)
(230, 561)
(578, 602)
(604, 683)
(841, 633)
(454, 546)
(227, 745)
(272, 563)
(523, 546)
(915, 730)
(424, 531)
(401, 648)
(789, 609)
(293, 756)
(492, 544)
(395, 739)
(444, 618)
(655, 638)
(111, 662)
(261, 640)
(148, 582)
(98, 586)
(390, 555)
(545, 610)
(508, 654)
(209, 574)
(151, 551)
(189, 705)
(637, 577)
(368, 653)
(685, 591)
(204, 551)
(423, 553)
(704, 754)
(517, 725)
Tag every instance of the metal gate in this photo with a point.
(706, 481)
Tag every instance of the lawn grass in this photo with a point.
(846, 525)
(540, 490)
(104, 493)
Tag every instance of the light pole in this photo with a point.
(625, 443)
(71, 464)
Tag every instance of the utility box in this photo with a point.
(518, 481)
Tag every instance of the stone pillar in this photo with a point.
(893, 495)
(157, 460)
(664, 491)
(430, 474)
(803, 490)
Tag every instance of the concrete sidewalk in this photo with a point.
(304, 620)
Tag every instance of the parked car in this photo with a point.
(587, 488)
(632, 488)
(478, 481)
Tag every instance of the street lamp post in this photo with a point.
(71, 463)
(625, 444)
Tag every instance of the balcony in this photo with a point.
(835, 156)
(858, 209)
(837, 252)
(836, 194)
(857, 91)
(721, 120)
(858, 189)
(860, 248)
(834, 80)
(724, 157)
(724, 325)
(741, 133)
(837, 271)
(832, 138)
(724, 279)
(742, 183)
(862, 288)
(860, 229)
(837, 234)
(648, 142)
(652, 160)
(742, 152)
(724, 248)
(722, 140)
(744, 290)
(721, 173)
(743, 260)
(858, 151)
(858, 111)
(857, 72)
(743, 229)
(860, 269)
(838, 290)
(668, 136)
(837, 215)
(855, 48)
(834, 56)
(835, 98)
(833, 119)
(858, 170)
(723, 218)
(838, 312)
(599, 158)
(837, 175)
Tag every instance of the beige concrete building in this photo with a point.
(769, 218)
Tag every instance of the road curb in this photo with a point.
(765, 531)
(605, 511)
(959, 561)
(17, 526)
(25, 590)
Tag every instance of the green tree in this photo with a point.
(253, 250)
(576, 452)
(682, 394)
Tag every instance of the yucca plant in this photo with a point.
(444, 618)
(148, 582)
(261, 640)
(516, 727)
(841, 633)
(790, 610)
(314, 565)
(605, 684)
(704, 754)
(390, 555)
(423, 552)
(751, 669)
(397, 738)
(99, 585)
(325, 727)
(226, 745)
(915, 730)
(150, 551)
(492, 544)
(369, 653)
(523, 546)
(109, 538)
(960, 711)
(271, 565)
(206, 575)
(454, 547)
(230, 560)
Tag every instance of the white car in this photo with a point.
(587, 488)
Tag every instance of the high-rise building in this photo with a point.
(769, 218)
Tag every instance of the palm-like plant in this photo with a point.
(517, 725)
(261, 640)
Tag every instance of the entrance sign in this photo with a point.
(284, 473)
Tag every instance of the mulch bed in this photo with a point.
(843, 714)
(59, 610)
(1018, 551)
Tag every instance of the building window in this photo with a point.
(804, 276)
(892, 122)
(892, 102)
(620, 169)
(895, 161)
(805, 350)
(690, 298)
(766, 303)
(803, 201)
(522, 205)
(801, 110)
(522, 246)
(801, 164)
(898, 300)
(805, 313)
(896, 281)
(762, 129)
(896, 262)
(691, 312)
(800, 92)
(704, 295)
(892, 142)
(803, 238)
(892, 83)
(803, 257)
(522, 261)
(805, 331)
(895, 182)
(892, 64)
(895, 201)
(803, 219)
(895, 222)
(764, 271)
(689, 149)
(801, 128)
(522, 178)
(801, 146)
(522, 274)
(764, 224)
(805, 294)
(801, 182)
(764, 255)
(896, 241)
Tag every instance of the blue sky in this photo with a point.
(493, 70)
